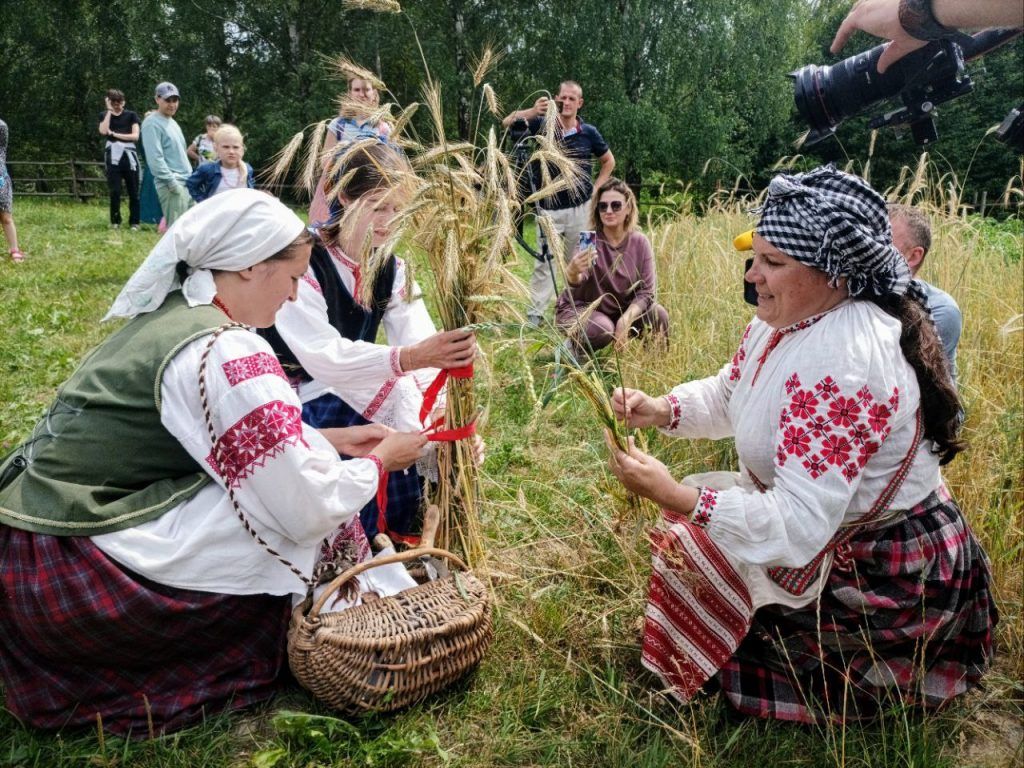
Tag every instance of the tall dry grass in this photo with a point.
(575, 581)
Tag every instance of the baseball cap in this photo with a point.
(165, 90)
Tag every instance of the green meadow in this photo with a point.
(567, 555)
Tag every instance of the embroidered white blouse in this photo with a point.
(823, 413)
(287, 478)
(352, 370)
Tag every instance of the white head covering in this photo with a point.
(231, 231)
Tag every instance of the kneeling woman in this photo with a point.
(833, 576)
(325, 339)
(619, 277)
(130, 590)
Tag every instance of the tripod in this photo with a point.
(520, 158)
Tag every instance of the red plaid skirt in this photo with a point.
(81, 636)
(909, 622)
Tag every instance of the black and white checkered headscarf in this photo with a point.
(835, 222)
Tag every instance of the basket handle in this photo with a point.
(400, 557)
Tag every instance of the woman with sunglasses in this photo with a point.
(619, 277)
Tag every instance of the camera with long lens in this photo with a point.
(827, 95)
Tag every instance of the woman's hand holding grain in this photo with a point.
(638, 409)
(448, 349)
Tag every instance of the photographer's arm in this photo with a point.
(540, 106)
(881, 18)
(979, 14)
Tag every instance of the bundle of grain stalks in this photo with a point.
(459, 213)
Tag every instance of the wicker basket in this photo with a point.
(389, 653)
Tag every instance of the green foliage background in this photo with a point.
(672, 84)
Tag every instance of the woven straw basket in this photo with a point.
(389, 653)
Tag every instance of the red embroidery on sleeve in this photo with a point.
(827, 430)
(259, 435)
(739, 357)
(706, 504)
(379, 398)
(677, 411)
(245, 368)
(396, 361)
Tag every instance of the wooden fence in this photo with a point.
(86, 179)
(80, 179)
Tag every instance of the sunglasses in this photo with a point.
(612, 205)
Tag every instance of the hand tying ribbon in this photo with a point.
(435, 433)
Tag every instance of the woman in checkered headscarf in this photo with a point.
(832, 575)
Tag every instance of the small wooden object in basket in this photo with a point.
(386, 654)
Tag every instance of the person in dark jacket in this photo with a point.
(228, 172)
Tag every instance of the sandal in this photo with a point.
(17, 256)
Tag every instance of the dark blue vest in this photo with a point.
(344, 313)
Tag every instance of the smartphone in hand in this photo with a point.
(588, 242)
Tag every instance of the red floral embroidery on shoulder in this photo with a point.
(826, 429)
(739, 357)
(796, 440)
(245, 368)
(706, 503)
(878, 417)
(312, 283)
(843, 410)
(804, 404)
(259, 435)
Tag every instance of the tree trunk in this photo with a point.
(462, 75)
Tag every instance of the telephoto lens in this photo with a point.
(827, 95)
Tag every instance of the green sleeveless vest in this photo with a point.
(100, 460)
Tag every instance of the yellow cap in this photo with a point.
(744, 241)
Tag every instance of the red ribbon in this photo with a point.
(434, 431)
(430, 396)
(435, 434)
(382, 520)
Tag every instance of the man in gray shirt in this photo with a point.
(164, 145)
(912, 236)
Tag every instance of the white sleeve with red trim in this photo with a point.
(287, 478)
(823, 433)
(355, 370)
(701, 408)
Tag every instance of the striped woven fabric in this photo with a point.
(698, 609)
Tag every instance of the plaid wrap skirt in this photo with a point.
(907, 620)
(80, 636)
(405, 488)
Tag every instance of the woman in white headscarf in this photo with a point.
(132, 587)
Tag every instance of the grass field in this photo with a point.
(562, 684)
